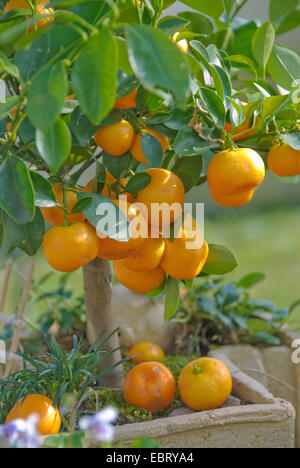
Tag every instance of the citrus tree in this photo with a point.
(155, 105)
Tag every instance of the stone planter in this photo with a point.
(264, 422)
(272, 367)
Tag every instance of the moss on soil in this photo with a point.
(98, 399)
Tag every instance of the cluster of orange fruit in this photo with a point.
(40, 9)
(284, 161)
(141, 262)
(204, 384)
(49, 417)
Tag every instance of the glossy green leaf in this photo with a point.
(198, 22)
(46, 96)
(262, 44)
(94, 76)
(220, 261)
(189, 170)
(8, 66)
(138, 182)
(124, 63)
(274, 104)
(17, 194)
(157, 61)
(126, 84)
(284, 66)
(82, 127)
(152, 150)
(213, 8)
(293, 140)
(189, 143)
(237, 59)
(116, 166)
(214, 105)
(251, 280)
(54, 145)
(44, 194)
(27, 237)
(172, 298)
(172, 24)
(9, 105)
(31, 60)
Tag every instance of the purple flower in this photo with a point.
(100, 424)
(22, 433)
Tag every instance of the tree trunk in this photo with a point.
(97, 285)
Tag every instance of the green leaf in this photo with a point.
(189, 170)
(27, 237)
(262, 44)
(126, 84)
(82, 205)
(82, 127)
(213, 8)
(94, 76)
(54, 145)
(31, 60)
(198, 22)
(157, 61)
(138, 182)
(8, 66)
(279, 10)
(269, 339)
(214, 106)
(244, 60)
(46, 96)
(172, 24)
(220, 261)
(256, 326)
(251, 280)
(116, 166)
(284, 66)
(16, 195)
(124, 63)
(44, 194)
(172, 298)
(8, 105)
(152, 150)
(189, 143)
(273, 104)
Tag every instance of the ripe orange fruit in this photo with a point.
(127, 102)
(182, 260)
(148, 257)
(229, 127)
(284, 161)
(146, 352)
(149, 385)
(138, 281)
(112, 249)
(182, 44)
(108, 191)
(40, 9)
(232, 201)
(205, 384)
(49, 417)
(115, 139)
(165, 188)
(235, 171)
(55, 215)
(136, 148)
(68, 248)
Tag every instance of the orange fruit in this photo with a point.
(183, 260)
(13, 113)
(205, 384)
(49, 417)
(112, 249)
(68, 248)
(108, 191)
(229, 127)
(127, 102)
(284, 161)
(146, 352)
(148, 257)
(235, 171)
(232, 201)
(165, 188)
(55, 215)
(138, 281)
(149, 385)
(182, 44)
(40, 9)
(115, 139)
(136, 148)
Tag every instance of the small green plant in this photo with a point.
(213, 313)
(56, 374)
